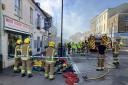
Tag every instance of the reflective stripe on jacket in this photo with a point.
(50, 52)
(17, 51)
(26, 52)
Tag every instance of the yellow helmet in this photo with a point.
(27, 41)
(51, 44)
(19, 41)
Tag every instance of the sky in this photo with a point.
(77, 13)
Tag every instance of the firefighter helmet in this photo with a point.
(27, 41)
(19, 41)
(52, 44)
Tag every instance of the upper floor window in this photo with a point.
(18, 7)
(31, 15)
(38, 21)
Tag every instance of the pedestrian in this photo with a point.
(50, 61)
(101, 57)
(116, 48)
(26, 58)
(17, 56)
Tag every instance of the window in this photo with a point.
(38, 21)
(18, 7)
(12, 38)
(35, 44)
(31, 15)
(38, 44)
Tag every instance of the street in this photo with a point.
(83, 65)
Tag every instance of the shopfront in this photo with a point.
(13, 30)
(12, 38)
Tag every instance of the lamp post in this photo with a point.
(62, 30)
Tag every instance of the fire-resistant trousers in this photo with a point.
(49, 68)
(16, 64)
(101, 61)
(26, 65)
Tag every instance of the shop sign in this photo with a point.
(120, 34)
(15, 25)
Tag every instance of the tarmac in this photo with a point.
(84, 65)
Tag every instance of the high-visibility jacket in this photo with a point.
(50, 52)
(91, 44)
(78, 45)
(73, 45)
(26, 52)
(116, 48)
(17, 51)
(105, 40)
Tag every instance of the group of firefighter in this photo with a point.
(96, 44)
(80, 47)
(23, 54)
(101, 46)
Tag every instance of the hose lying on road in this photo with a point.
(108, 69)
(98, 77)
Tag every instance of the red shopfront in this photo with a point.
(13, 30)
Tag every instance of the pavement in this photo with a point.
(10, 78)
(84, 65)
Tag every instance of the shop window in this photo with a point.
(12, 38)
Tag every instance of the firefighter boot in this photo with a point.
(99, 64)
(23, 73)
(51, 73)
(16, 70)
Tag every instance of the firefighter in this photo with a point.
(116, 49)
(69, 47)
(50, 61)
(17, 56)
(78, 47)
(101, 57)
(83, 47)
(105, 40)
(26, 58)
(86, 46)
(74, 47)
(91, 43)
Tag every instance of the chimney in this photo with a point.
(38, 4)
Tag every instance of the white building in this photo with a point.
(21, 19)
(100, 22)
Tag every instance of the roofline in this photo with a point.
(45, 13)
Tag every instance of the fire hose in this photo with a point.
(108, 70)
(98, 77)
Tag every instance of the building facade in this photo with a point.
(100, 22)
(118, 25)
(21, 19)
